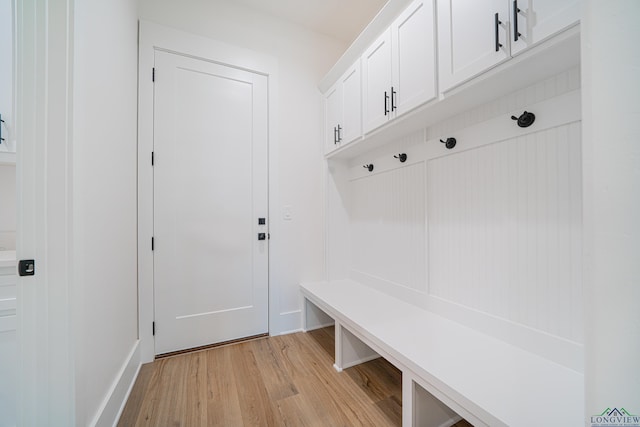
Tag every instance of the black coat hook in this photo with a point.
(402, 157)
(526, 119)
(369, 167)
(449, 143)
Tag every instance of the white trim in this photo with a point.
(290, 322)
(44, 61)
(114, 402)
(153, 36)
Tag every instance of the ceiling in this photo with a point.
(340, 19)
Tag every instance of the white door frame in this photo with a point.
(152, 37)
(44, 61)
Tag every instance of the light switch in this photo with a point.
(287, 212)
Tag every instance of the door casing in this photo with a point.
(154, 37)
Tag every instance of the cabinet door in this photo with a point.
(351, 123)
(469, 39)
(332, 116)
(376, 79)
(414, 49)
(540, 19)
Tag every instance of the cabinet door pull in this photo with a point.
(497, 27)
(386, 103)
(335, 135)
(516, 34)
(393, 99)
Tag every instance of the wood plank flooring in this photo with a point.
(277, 381)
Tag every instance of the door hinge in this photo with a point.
(152, 159)
(153, 328)
(152, 243)
(153, 74)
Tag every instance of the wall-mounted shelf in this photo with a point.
(7, 158)
(549, 58)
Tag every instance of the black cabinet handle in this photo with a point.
(393, 99)
(335, 135)
(516, 34)
(497, 27)
(339, 133)
(386, 103)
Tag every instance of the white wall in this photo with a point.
(611, 204)
(104, 193)
(303, 58)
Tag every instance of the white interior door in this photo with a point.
(210, 189)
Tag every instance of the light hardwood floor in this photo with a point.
(277, 381)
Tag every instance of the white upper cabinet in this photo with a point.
(413, 41)
(399, 67)
(399, 72)
(538, 20)
(332, 114)
(376, 83)
(473, 36)
(351, 127)
(343, 110)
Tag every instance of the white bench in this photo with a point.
(485, 380)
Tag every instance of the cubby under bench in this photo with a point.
(448, 370)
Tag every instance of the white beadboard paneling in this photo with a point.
(560, 84)
(504, 229)
(8, 280)
(387, 217)
(8, 323)
(549, 113)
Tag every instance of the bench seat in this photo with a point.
(485, 380)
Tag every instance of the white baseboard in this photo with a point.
(112, 406)
(289, 322)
